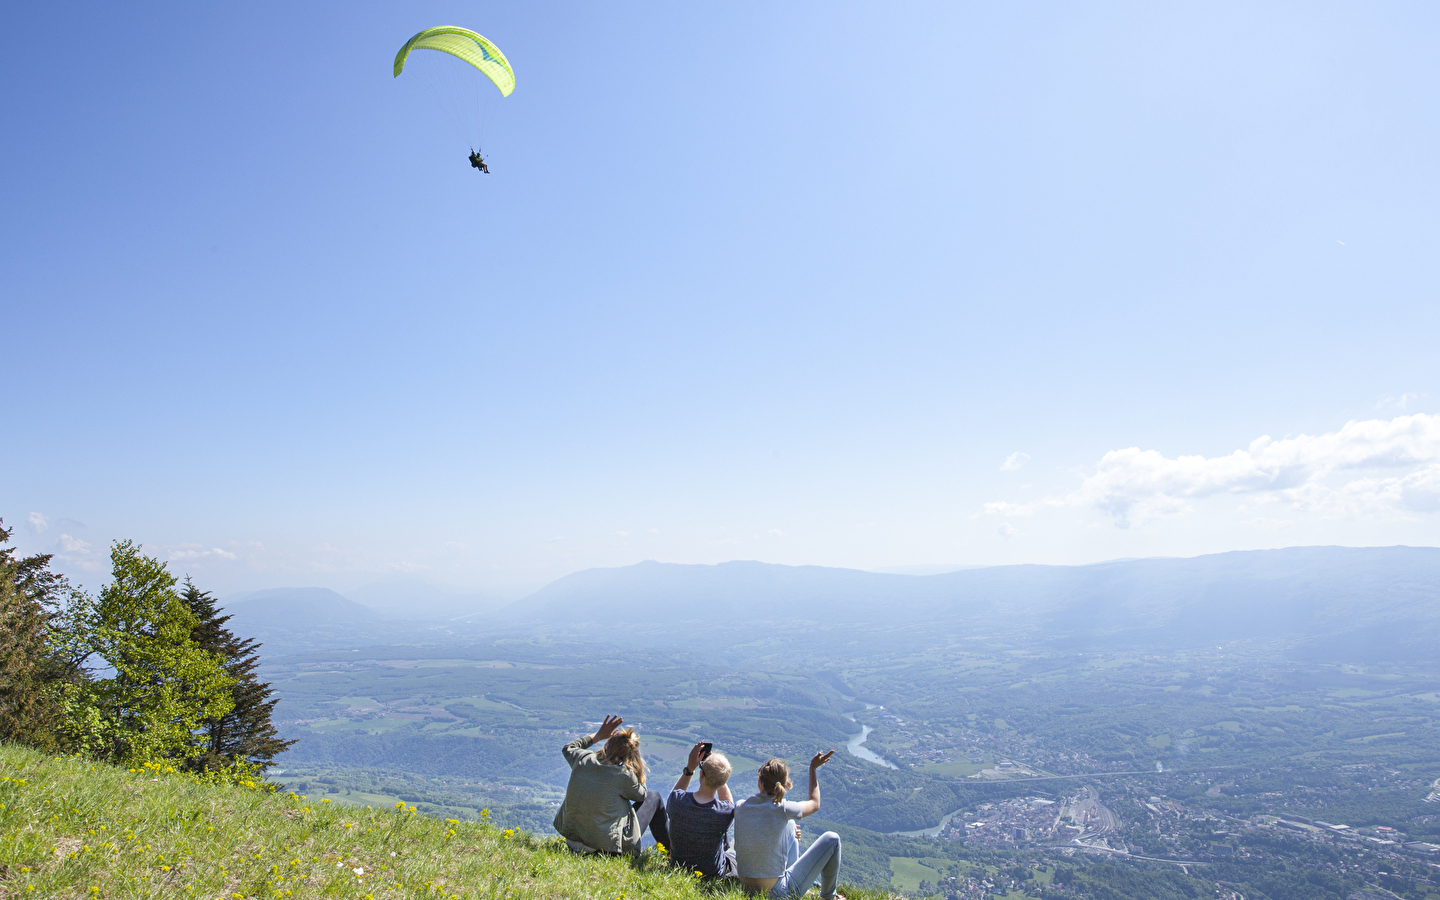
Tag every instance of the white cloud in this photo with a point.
(1006, 508)
(198, 551)
(37, 522)
(1269, 524)
(1007, 531)
(1315, 474)
(73, 553)
(1400, 403)
(1014, 461)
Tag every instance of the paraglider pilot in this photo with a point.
(478, 161)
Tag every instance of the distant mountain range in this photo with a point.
(409, 597)
(1320, 603)
(298, 619)
(308, 607)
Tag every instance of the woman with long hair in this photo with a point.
(607, 806)
(767, 848)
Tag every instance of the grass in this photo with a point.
(910, 872)
(70, 828)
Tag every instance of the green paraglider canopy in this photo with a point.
(464, 44)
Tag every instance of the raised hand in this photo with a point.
(820, 759)
(693, 762)
(608, 728)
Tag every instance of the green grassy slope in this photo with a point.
(71, 828)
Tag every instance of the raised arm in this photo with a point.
(691, 765)
(576, 748)
(606, 729)
(812, 806)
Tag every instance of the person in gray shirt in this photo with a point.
(607, 807)
(766, 847)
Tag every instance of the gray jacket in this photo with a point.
(597, 810)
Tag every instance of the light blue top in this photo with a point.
(765, 843)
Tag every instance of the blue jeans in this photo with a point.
(822, 860)
(651, 813)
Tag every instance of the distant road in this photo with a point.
(1059, 777)
(1182, 863)
(1089, 775)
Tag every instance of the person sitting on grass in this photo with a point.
(698, 821)
(766, 848)
(607, 807)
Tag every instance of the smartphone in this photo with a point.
(705, 748)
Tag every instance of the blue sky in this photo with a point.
(789, 284)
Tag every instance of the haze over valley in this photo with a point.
(1198, 712)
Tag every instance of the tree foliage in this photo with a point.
(35, 667)
(161, 686)
(26, 705)
(243, 736)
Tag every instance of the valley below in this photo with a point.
(971, 764)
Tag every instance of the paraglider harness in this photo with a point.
(478, 161)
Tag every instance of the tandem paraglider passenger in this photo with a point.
(607, 807)
(477, 53)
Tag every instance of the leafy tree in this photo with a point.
(35, 668)
(163, 686)
(245, 734)
(27, 709)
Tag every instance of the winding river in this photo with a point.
(856, 745)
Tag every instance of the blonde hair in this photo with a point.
(774, 778)
(623, 749)
(714, 770)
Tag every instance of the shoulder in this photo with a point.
(677, 796)
(622, 773)
(792, 809)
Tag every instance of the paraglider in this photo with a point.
(472, 48)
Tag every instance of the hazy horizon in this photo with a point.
(408, 581)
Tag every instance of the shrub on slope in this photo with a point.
(74, 828)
